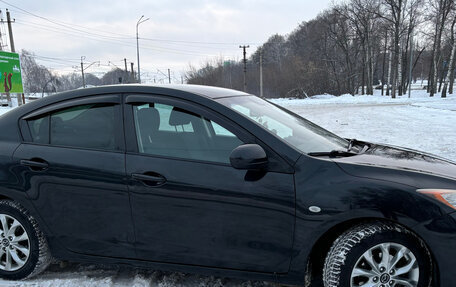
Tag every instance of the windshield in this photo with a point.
(293, 129)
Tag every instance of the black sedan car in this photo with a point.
(216, 181)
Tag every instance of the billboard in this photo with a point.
(10, 73)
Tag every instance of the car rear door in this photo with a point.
(189, 205)
(72, 165)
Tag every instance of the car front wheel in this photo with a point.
(378, 255)
(23, 248)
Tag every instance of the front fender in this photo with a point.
(345, 200)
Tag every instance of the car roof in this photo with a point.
(204, 91)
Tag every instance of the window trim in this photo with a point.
(105, 99)
(114, 100)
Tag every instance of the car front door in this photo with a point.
(189, 205)
(72, 164)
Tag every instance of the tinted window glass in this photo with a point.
(39, 129)
(165, 130)
(221, 131)
(87, 126)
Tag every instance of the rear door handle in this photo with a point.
(150, 178)
(36, 165)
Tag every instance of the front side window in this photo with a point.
(170, 131)
(87, 126)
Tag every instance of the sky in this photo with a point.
(176, 35)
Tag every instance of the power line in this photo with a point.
(64, 29)
(53, 59)
(60, 27)
(69, 26)
(117, 42)
(195, 42)
(68, 29)
(66, 60)
(73, 24)
(70, 62)
(118, 35)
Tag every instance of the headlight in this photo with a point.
(446, 196)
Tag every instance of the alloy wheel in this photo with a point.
(14, 244)
(386, 265)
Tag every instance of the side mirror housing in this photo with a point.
(249, 157)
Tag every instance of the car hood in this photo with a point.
(402, 159)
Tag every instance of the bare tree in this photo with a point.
(394, 10)
(440, 10)
(35, 77)
(348, 48)
(450, 73)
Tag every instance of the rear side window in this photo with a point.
(91, 126)
(39, 129)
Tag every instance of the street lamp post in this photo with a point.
(137, 44)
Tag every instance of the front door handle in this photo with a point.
(35, 164)
(150, 178)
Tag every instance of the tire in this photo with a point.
(24, 243)
(350, 259)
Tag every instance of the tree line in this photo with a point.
(352, 47)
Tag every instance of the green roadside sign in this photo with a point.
(10, 73)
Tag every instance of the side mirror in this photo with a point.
(249, 156)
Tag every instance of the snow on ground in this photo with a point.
(422, 123)
(80, 275)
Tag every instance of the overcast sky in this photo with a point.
(177, 34)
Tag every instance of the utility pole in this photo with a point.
(1, 36)
(10, 29)
(126, 71)
(132, 72)
(261, 72)
(169, 76)
(182, 80)
(82, 71)
(245, 65)
(137, 44)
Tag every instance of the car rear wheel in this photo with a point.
(378, 255)
(23, 248)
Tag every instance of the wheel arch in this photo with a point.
(4, 197)
(322, 245)
(22, 200)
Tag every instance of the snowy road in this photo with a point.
(420, 123)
